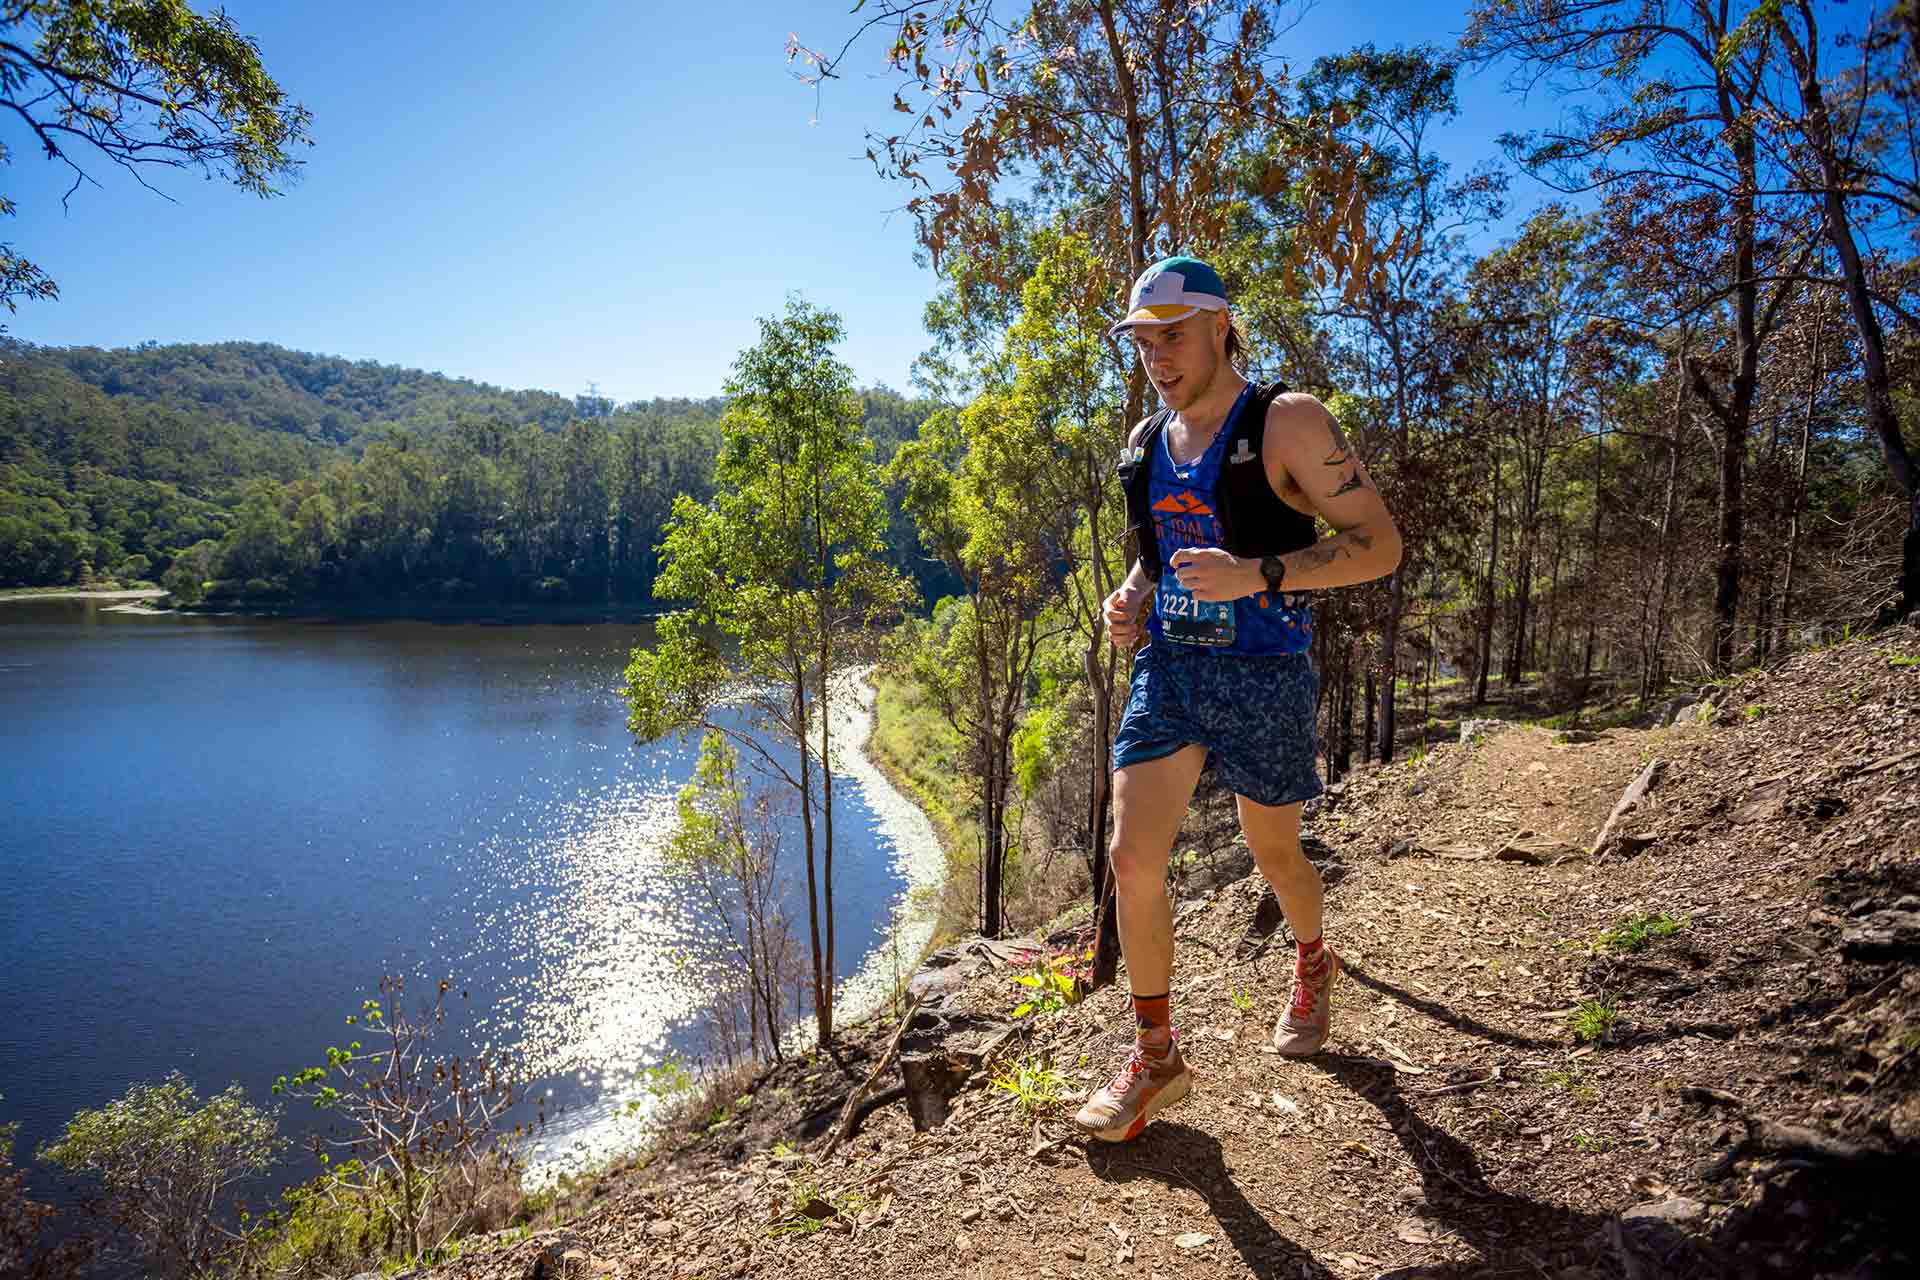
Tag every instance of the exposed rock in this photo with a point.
(1883, 935)
(1471, 729)
(1674, 1209)
(560, 1258)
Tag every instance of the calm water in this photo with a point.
(217, 833)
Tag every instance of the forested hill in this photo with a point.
(325, 398)
(280, 476)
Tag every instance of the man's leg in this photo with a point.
(1273, 834)
(1150, 800)
(1149, 803)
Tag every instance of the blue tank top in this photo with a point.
(1181, 500)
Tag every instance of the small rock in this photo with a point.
(1400, 849)
(970, 1214)
(1192, 1239)
(1471, 729)
(1675, 1209)
(1075, 1250)
(559, 1257)
(663, 1230)
(963, 1244)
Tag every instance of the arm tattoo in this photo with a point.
(1341, 449)
(1321, 554)
(1351, 483)
(1324, 553)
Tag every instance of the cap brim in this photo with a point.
(1165, 314)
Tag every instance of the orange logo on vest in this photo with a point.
(1183, 504)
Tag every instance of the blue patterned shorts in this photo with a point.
(1254, 713)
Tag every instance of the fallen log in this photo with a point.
(1629, 800)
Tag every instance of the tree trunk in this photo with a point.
(1735, 415)
(1390, 660)
(1487, 595)
(1800, 471)
(1652, 672)
(1593, 555)
(1366, 734)
(822, 1005)
(1876, 390)
(826, 861)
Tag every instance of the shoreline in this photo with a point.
(607, 1134)
(81, 593)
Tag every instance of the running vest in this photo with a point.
(1220, 499)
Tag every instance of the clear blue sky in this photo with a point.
(540, 197)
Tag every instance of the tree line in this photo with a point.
(245, 473)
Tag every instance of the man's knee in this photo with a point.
(1136, 868)
(1278, 855)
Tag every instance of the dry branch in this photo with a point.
(842, 1129)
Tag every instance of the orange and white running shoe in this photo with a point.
(1139, 1091)
(1303, 1028)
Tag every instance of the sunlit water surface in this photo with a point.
(217, 834)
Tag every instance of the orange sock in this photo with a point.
(1153, 1020)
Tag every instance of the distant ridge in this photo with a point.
(269, 387)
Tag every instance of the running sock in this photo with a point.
(1312, 956)
(1153, 1022)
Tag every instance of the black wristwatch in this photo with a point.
(1274, 570)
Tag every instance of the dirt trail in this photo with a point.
(1751, 1110)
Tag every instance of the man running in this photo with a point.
(1223, 487)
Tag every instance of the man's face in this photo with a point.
(1182, 358)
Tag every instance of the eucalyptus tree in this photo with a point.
(1841, 124)
(1399, 338)
(1668, 116)
(1535, 296)
(1127, 121)
(783, 578)
(142, 85)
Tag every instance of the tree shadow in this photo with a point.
(1175, 1154)
(1441, 1013)
(1511, 1233)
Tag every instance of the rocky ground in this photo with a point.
(1694, 1052)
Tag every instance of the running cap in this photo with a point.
(1171, 290)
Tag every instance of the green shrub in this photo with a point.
(167, 1163)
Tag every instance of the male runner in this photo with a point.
(1225, 669)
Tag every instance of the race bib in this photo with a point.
(1186, 620)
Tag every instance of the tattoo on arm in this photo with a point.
(1324, 553)
(1321, 554)
(1352, 482)
(1341, 449)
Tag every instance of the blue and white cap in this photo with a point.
(1170, 291)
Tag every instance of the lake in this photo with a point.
(218, 833)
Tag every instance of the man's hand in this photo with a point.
(1123, 609)
(1213, 575)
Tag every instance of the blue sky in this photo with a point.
(546, 197)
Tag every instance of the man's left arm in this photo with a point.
(1304, 444)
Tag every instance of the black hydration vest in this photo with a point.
(1254, 522)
